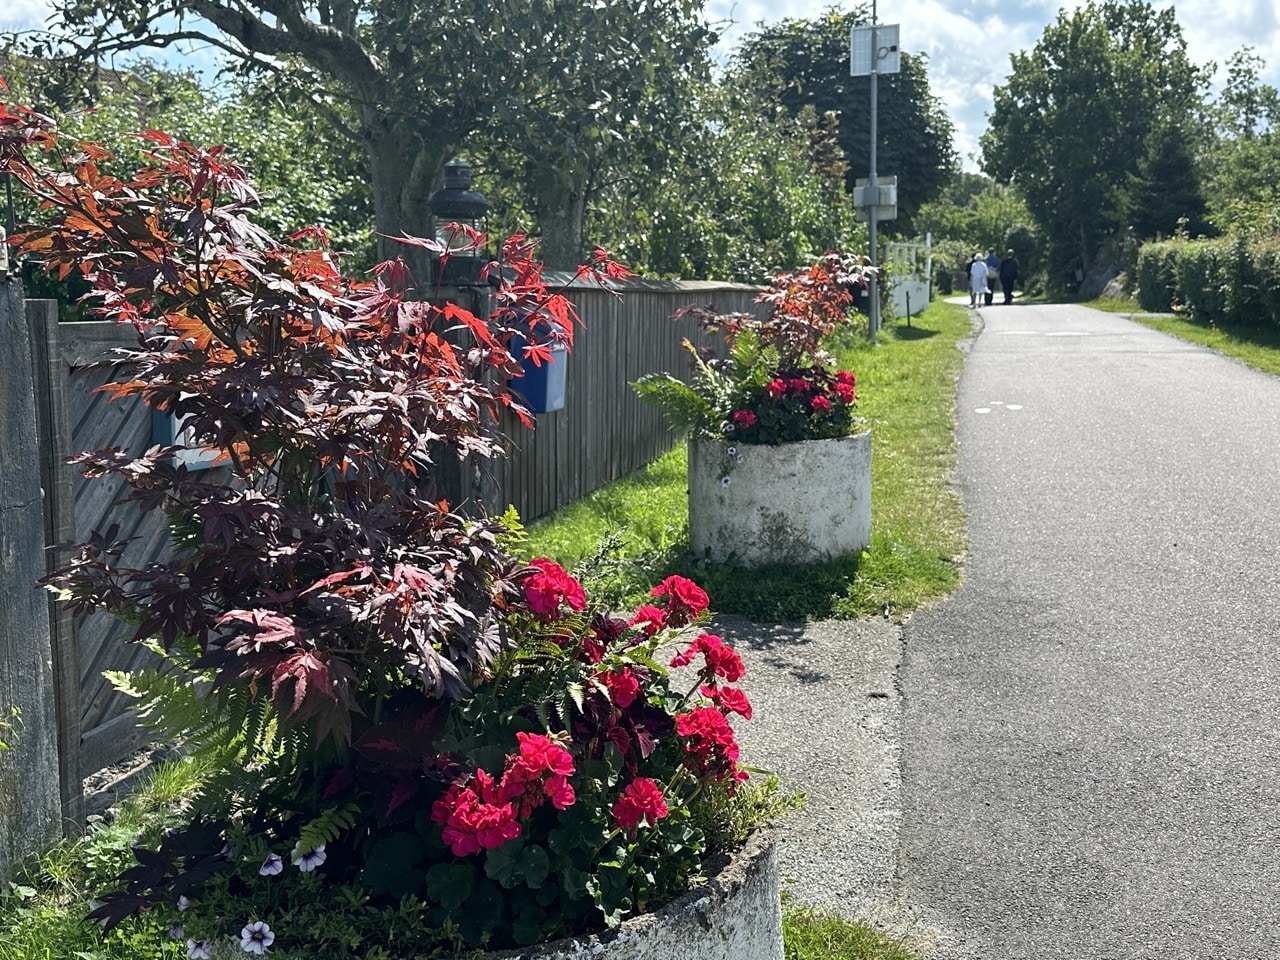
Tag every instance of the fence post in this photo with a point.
(30, 803)
(57, 479)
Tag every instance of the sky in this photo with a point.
(967, 43)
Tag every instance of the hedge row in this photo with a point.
(1232, 281)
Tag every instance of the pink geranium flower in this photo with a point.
(641, 802)
(549, 586)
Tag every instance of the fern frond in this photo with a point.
(328, 826)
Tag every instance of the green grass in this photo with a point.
(1258, 347)
(906, 391)
(42, 912)
(810, 934)
(1113, 304)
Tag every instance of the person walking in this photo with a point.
(977, 280)
(1008, 275)
(993, 270)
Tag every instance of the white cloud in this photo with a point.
(969, 42)
(23, 14)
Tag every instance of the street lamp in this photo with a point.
(453, 207)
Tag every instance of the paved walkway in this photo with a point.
(1075, 756)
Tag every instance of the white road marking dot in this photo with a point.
(982, 410)
(1014, 406)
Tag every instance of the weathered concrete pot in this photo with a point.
(735, 915)
(797, 502)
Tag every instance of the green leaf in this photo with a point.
(450, 884)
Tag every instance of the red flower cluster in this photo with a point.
(844, 387)
(475, 817)
(548, 586)
(641, 801)
(811, 385)
(686, 601)
(744, 418)
(728, 699)
(541, 763)
(649, 619)
(485, 814)
(623, 687)
(710, 747)
(719, 660)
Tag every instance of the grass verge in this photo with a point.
(906, 391)
(810, 934)
(1258, 347)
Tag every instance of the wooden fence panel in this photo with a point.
(604, 431)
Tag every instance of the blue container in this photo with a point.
(542, 387)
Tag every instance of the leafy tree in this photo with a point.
(756, 191)
(975, 213)
(604, 114)
(1073, 120)
(805, 62)
(1247, 107)
(1244, 164)
(409, 84)
(1164, 192)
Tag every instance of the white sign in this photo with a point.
(873, 50)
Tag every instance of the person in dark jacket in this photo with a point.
(1008, 274)
(993, 268)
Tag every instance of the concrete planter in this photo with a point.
(735, 915)
(793, 503)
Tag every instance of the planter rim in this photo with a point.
(724, 441)
(724, 873)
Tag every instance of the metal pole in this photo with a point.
(873, 317)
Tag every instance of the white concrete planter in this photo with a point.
(797, 502)
(735, 915)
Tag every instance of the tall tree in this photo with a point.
(1244, 163)
(1072, 122)
(407, 82)
(602, 112)
(805, 62)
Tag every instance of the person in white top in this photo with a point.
(977, 280)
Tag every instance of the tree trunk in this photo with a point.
(403, 172)
(560, 205)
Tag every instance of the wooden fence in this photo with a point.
(603, 433)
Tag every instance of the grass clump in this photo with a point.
(906, 389)
(1257, 347)
(810, 934)
(42, 912)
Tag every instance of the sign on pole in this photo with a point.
(883, 196)
(878, 54)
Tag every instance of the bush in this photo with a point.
(1156, 275)
(416, 731)
(1233, 281)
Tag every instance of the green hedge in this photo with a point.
(1233, 281)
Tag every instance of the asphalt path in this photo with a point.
(1090, 726)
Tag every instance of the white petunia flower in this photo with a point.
(272, 865)
(308, 861)
(256, 937)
